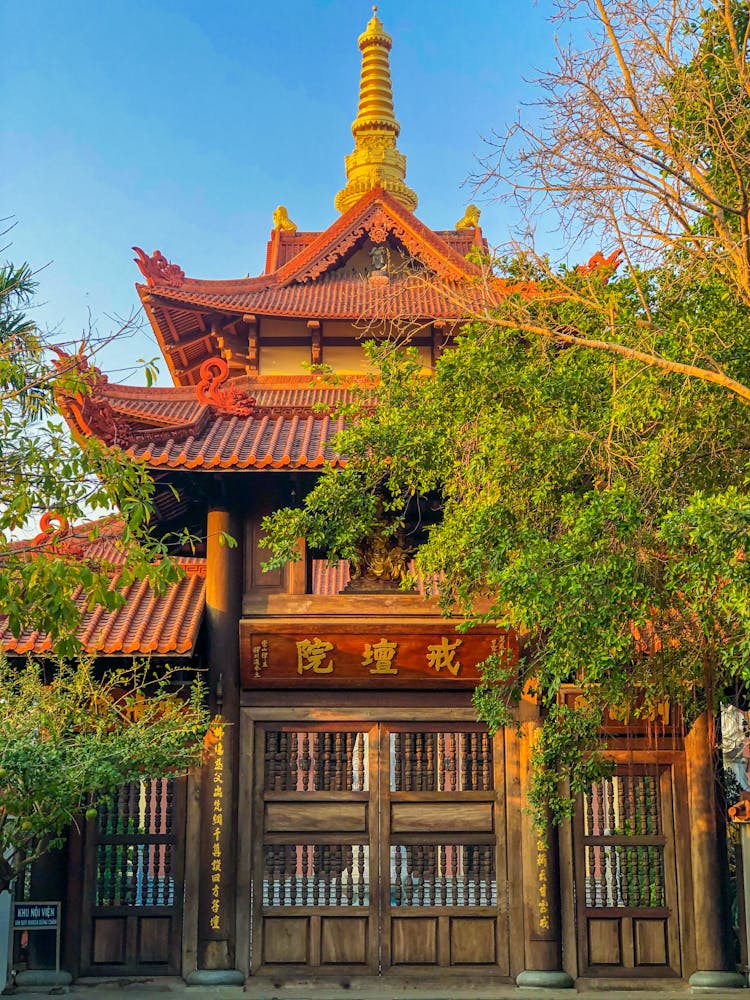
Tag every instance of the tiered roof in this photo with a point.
(271, 423)
(195, 319)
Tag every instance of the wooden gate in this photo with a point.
(382, 848)
(132, 905)
(626, 875)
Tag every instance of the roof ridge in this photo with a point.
(347, 225)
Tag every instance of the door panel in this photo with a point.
(380, 848)
(314, 864)
(133, 884)
(442, 848)
(627, 889)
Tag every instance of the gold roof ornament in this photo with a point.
(282, 221)
(470, 218)
(375, 161)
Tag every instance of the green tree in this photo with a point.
(43, 469)
(69, 735)
(587, 434)
(68, 738)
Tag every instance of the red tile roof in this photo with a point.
(145, 624)
(277, 442)
(306, 277)
(167, 406)
(285, 430)
(329, 580)
(333, 296)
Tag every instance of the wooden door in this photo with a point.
(442, 851)
(315, 865)
(626, 875)
(132, 900)
(381, 849)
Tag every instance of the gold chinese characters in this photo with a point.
(310, 656)
(382, 654)
(217, 823)
(318, 656)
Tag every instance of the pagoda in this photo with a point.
(354, 820)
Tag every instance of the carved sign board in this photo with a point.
(327, 653)
(663, 719)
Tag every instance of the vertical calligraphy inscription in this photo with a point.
(217, 824)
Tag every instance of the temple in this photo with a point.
(354, 820)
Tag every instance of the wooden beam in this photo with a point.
(185, 345)
(252, 344)
(316, 350)
(438, 339)
(170, 324)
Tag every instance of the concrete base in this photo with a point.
(41, 980)
(216, 977)
(717, 980)
(544, 979)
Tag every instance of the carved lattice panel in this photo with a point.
(626, 872)
(317, 761)
(134, 858)
(620, 873)
(443, 875)
(316, 875)
(441, 762)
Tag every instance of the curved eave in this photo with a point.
(146, 624)
(228, 443)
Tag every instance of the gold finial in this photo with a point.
(470, 219)
(375, 160)
(282, 221)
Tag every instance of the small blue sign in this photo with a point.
(35, 915)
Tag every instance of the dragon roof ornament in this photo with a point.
(157, 270)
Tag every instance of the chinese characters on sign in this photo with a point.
(217, 823)
(379, 656)
(260, 659)
(443, 654)
(278, 653)
(310, 656)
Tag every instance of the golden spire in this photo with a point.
(375, 161)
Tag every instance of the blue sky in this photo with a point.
(180, 125)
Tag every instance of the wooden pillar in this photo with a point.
(714, 966)
(216, 952)
(542, 924)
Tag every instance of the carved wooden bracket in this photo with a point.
(252, 344)
(316, 346)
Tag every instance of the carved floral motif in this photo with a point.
(378, 226)
(211, 391)
(157, 270)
